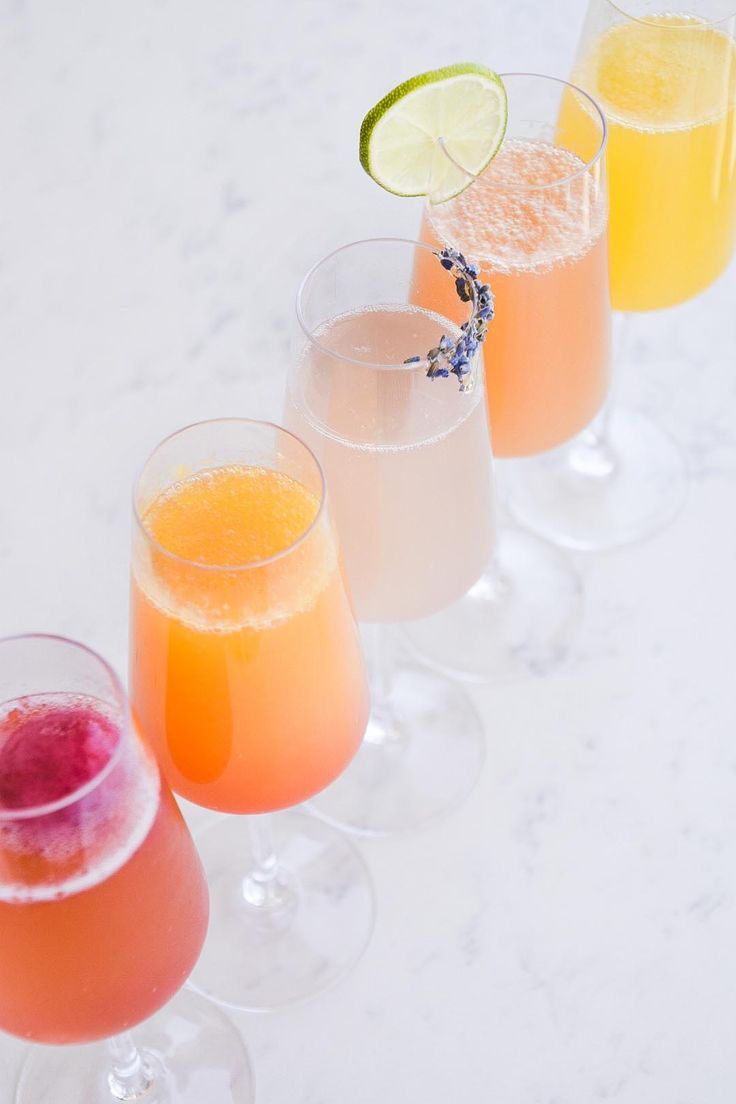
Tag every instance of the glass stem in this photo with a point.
(592, 454)
(378, 654)
(130, 1077)
(378, 643)
(262, 886)
(493, 585)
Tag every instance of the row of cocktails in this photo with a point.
(254, 555)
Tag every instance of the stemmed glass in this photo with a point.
(103, 902)
(667, 83)
(535, 222)
(409, 469)
(247, 677)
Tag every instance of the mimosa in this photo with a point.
(668, 86)
(246, 672)
(247, 677)
(535, 222)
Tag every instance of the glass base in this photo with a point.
(422, 754)
(193, 1051)
(260, 955)
(574, 500)
(518, 620)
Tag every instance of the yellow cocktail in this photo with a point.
(668, 87)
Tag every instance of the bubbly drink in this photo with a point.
(535, 223)
(103, 904)
(668, 87)
(406, 458)
(246, 673)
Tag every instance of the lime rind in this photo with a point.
(464, 105)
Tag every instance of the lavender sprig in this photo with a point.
(455, 357)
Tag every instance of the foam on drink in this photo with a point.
(218, 533)
(670, 72)
(533, 208)
(668, 87)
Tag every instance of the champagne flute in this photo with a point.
(409, 466)
(103, 902)
(666, 79)
(535, 221)
(247, 677)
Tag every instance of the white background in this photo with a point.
(168, 170)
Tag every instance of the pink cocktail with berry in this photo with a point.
(103, 904)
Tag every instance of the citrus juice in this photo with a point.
(246, 671)
(668, 87)
(535, 223)
(103, 903)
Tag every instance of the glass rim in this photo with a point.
(251, 564)
(649, 21)
(423, 362)
(584, 168)
(29, 812)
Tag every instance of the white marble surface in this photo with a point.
(169, 169)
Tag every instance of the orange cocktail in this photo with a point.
(246, 671)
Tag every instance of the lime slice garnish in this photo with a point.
(419, 138)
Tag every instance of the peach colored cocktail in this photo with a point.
(246, 672)
(535, 223)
